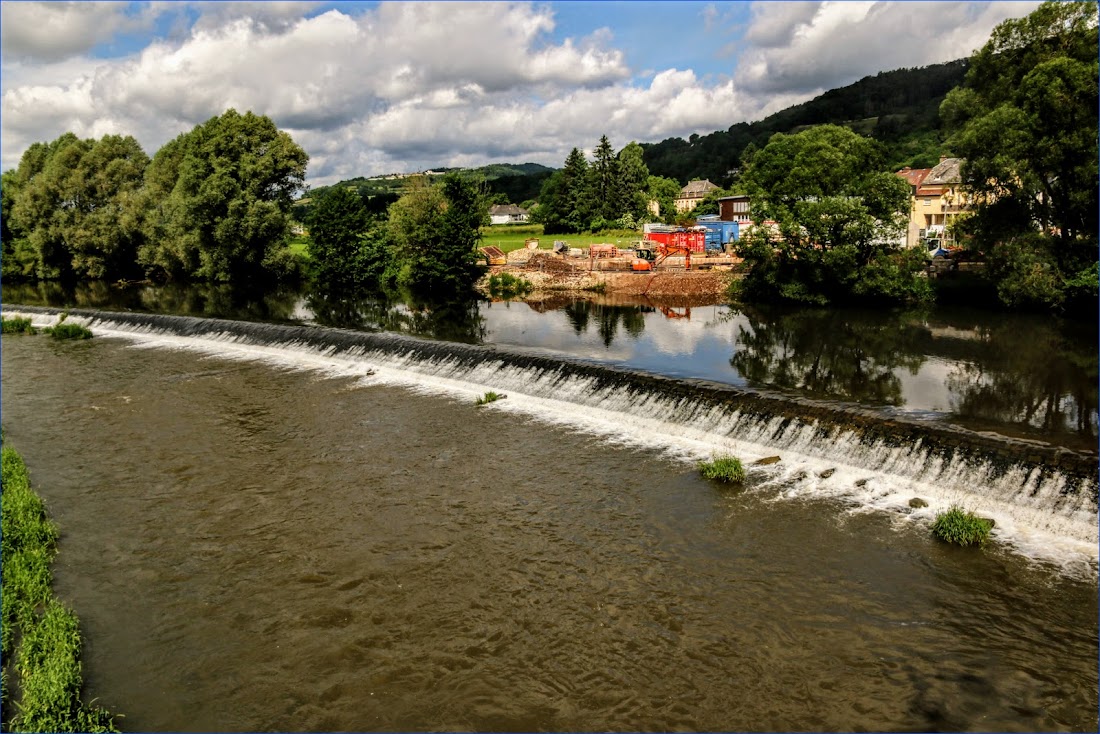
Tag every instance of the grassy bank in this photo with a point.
(44, 634)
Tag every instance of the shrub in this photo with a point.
(961, 527)
(69, 331)
(506, 284)
(18, 326)
(726, 469)
(489, 397)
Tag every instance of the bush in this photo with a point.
(489, 397)
(726, 469)
(507, 284)
(17, 326)
(961, 527)
(69, 331)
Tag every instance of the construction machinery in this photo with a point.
(646, 259)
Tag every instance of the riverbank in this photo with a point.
(547, 273)
(44, 674)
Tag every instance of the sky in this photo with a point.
(369, 88)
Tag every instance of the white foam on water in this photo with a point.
(1034, 517)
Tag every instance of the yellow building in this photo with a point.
(937, 201)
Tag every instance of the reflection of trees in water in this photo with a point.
(581, 312)
(456, 319)
(1030, 374)
(829, 354)
(206, 300)
(1034, 374)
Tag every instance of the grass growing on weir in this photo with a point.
(489, 397)
(726, 469)
(44, 632)
(17, 325)
(68, 331)
(961, 528)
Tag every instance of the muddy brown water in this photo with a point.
(250, 549)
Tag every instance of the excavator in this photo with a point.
(646, 259)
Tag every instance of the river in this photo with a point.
(271, 534)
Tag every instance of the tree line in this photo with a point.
(214, 204)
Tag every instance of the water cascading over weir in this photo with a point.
(1049, 488)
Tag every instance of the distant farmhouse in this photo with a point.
(507, 214)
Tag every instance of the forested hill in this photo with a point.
(513, 178)
(899, 108)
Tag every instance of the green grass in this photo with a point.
(510, 237)
(489, 397)
(961, 527)
(726, 469)
(299, 245)
(68, 331)
(48, 656)
(17, 325)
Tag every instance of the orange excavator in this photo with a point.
(646, 259)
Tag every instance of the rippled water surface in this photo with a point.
(251, 548)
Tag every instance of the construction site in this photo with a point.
(675, 262)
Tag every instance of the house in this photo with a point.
(735, 209)
(690, 196)
(937, 200)
(507, 214)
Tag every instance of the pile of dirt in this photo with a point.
(548, 263)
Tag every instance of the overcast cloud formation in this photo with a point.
(397, 87)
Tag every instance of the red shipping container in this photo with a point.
(694, 241)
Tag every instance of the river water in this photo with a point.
(282, 538)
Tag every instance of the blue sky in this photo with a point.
(371, 88)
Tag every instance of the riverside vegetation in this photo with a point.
(42, 632)
(961, 527)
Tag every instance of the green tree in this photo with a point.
(604, 184)
(435, 229)
(838, 217)
(664, 191)
(577, 192)
(633, 182)
(345, 252)
(74, 207)
(1025, 123)
(565, 202)
(219, 197)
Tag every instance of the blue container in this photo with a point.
(719, 234)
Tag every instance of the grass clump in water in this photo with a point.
(489, 397)
(17, 325)
(69, 331)
(961, 527)
(726, 469)
(47, 661)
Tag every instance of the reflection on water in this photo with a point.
(1023, 375)
(828, 354)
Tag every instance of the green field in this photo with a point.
(510, 237)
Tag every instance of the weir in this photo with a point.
(1055, 483)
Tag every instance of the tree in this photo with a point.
(435, 229)
(664, 191)
(565, 202)
(1025, 123)
(633, 181)
(74, 206)
(219, 199)
(604, 185)
(837, 214)
(344, 251)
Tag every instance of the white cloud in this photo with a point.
(811, 47)
(51, 31)
(410, 85)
